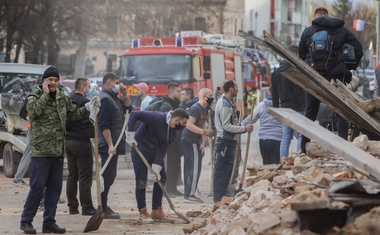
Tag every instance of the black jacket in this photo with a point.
(285, 93)
(81, 130)
(340, 36)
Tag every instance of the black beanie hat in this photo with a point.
(50, 72)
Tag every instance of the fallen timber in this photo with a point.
(329, 140)
(362, 114)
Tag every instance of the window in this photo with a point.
(200, 24)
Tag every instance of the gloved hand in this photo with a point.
(208, 132)
(95, 101)
(156, 168)
(130, 138)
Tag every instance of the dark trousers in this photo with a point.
(225, 153)
(192, 166)
(270, 151)
(46, 173)
(312, 108)
(141, 177)
(109, 176)
(173, 166)
(79, 163)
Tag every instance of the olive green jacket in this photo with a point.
(48, 121)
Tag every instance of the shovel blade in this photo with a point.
(94, 222)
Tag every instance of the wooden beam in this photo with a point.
(328, 140)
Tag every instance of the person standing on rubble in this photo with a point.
(286, 94)
(227, 127)
(340, 35)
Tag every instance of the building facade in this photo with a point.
(124, 20)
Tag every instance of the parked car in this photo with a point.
(25, 73)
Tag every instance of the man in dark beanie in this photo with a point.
(48, 109)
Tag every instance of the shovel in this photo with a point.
(111, 155)
(95, 221)
(246, 154)
(184, 218)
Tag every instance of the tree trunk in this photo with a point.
(80, 62)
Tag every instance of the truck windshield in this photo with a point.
(156, 69)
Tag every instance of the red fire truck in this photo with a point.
(187, 60)
(257, 72)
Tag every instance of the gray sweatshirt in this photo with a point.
(226, 120)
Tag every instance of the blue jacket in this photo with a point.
(154, 134)
(270, 128)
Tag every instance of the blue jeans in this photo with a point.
(287, 136)
(225, 154)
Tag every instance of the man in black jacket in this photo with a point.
(286, 94)
(340, 35)
(173, 156)
(79, 155)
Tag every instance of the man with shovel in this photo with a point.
(227, 127)
(157, 131)
(111, 118)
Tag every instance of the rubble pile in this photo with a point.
(291, 197)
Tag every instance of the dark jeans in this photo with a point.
(192, 166)
(225, 153)
(270, 151)
(141, 177)
(79, 163)
(46, 173)
(173, 166)
(312, 108)
(109, 176)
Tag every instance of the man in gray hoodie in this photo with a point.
(227, 127)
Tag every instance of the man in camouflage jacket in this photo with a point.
(48, 109)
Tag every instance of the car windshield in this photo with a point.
(6, 77)
(156, 69)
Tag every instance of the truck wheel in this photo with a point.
(9, 166)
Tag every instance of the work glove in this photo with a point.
(208, 132)
(130, 138)
(95, 101)
(156, 168)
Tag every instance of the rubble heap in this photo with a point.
(297, 195)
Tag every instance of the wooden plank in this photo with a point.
(328, 140)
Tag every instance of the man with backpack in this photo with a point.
(322, 46)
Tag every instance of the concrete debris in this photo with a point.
(274, 197)
(361, 142)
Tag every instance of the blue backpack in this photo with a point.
(321, 50)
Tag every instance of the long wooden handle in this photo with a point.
(247, 147)
(117, 142)
(97, 165)
(212, 155)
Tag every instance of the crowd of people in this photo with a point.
(163, 130)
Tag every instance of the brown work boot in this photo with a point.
(158, 214)
(216, 206)
(144, 216)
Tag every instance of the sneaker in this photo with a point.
(192, 199)
(41, 207)
(20, 183)
(303, 154)
(110, 214)
(89, 211)
(54, 228)
(28, 228)
(144, 216)
(158, 214)
(216, 206)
